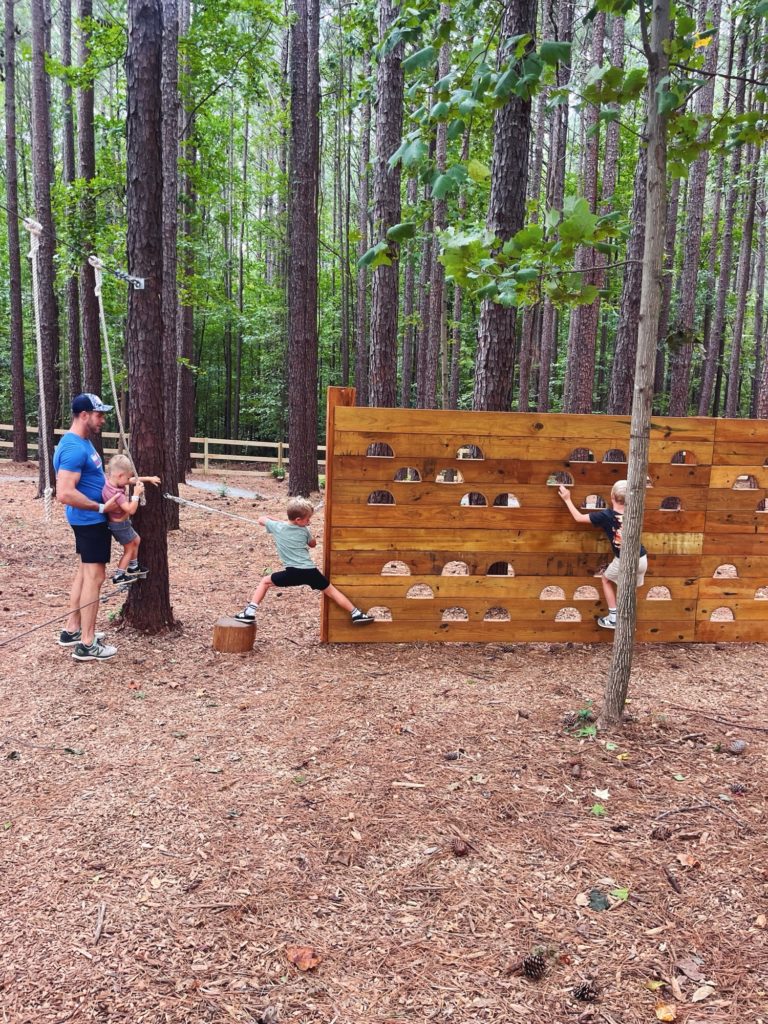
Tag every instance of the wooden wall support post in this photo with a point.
(335, 397)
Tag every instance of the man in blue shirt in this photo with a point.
(79, 483)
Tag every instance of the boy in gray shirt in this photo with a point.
(293, 540)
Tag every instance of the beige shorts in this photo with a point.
(612, 572)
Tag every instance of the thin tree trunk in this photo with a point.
(582, 331)
(743, 275)
(409, 327)
(760, 359)
(86, 150)
(185, 326)
(361, 284)
(386, 213)
(650, 303)
(68, 176)
(666, 296)
(42, 171)
(16, 326)
(681, 357)
(148, 607)
(715, 342)
(241, 275)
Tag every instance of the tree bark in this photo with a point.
(148, 606)
(16, 326)
(361, 312)
(743, 274)
(681, 358)
(494, 358)
(170, 299)
(758, 396)
(42, 172)
(86, 150)
(68, 176)
(303, 243)
(409, 325)
(185, 342)
(650, 304)
(386, 213)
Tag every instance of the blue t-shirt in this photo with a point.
(291, 542)
(76, 455)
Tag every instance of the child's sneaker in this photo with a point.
(96, 652)
(360, 618)
(246, 615)
(67, 639)
(137, 572)
(606, 622)
(121, 576)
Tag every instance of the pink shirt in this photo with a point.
(118, 511)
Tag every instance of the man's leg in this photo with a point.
(73, 621)
(93, 574)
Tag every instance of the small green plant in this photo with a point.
(223, 490)
(598, 810)
(321, 482)
(278, 472)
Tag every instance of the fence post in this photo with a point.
(205, 454)
(280, 455)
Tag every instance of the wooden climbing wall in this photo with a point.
(421, 504)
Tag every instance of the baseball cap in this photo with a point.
(89, 403)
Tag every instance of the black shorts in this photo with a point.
(292, 577)
(93, 543)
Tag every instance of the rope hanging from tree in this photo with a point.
(35, 230)
(98, 268)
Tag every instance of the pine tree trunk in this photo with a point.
(681, 358)
(670, 236)
(495, 355)
(558, 136)
(409, 327)
(715, 341)
(625, 348)
(42, 171)
(86, 158)
(185, 340)
(303, 247)
(148, 606)
(361, 284)
(422, 332)
(760, 360)
(386, 213)
(170, 299)
(20, 452)
(68, 176)
(743, 275)
(650, 303)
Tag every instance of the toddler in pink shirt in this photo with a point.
(120, 473)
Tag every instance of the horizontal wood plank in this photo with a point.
(737, 632)
(342, 631)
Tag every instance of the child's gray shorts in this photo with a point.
(123, 532)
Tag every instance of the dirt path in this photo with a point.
(173, 822)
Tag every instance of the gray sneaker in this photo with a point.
(67, 639)
(361, 618)
(606, 622)
(96, 652)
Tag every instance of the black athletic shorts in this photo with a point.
(93, 543)
(292, 577)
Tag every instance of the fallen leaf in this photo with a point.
(582, 900)
(666, 1011)
(761, 921)
(677, 992)
(357, 836)
(303, 957)
(704, 992)
(155, 882)
(690, 970)
(654, 986)
(601, 794)
(688, 861)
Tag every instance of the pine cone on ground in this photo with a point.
(534, 966)
(585, 991)
(459, 847)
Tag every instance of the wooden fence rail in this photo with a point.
(202, 449)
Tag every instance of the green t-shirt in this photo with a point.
(291, 542)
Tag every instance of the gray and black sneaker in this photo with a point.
(121, 576)
(96, 652)
(246, 615)
(67, 639)
(360, 618)
(137, 572)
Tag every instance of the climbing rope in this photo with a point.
(65, 615)
(98, 268)
(35, 230)
(207, 508)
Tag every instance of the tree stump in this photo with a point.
(231, 636)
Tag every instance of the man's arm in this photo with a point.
(565, 494)
(68, 494)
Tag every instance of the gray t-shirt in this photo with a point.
(291, 542)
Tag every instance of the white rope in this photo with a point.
(98, 267)
(207, 508)
(35, 230)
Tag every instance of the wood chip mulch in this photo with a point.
(367, 834)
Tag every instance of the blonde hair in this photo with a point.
(299, 508)
(120, 463)
(619, 491)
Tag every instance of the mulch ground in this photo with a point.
(360, 834)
